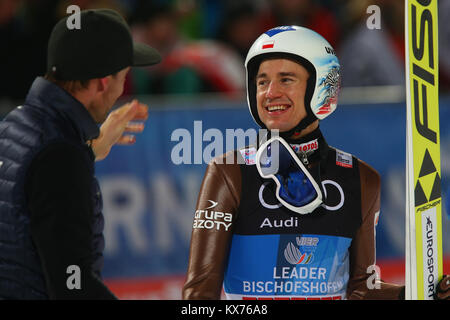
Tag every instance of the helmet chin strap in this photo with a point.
(303, 124)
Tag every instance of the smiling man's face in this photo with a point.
(280, 93)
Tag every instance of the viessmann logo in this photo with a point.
(293, 254)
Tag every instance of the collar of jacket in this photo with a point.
(45, 94)
(316, 148)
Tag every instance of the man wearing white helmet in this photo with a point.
(292, 218)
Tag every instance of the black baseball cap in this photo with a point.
(100, 47)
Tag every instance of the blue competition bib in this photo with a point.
(287, 266)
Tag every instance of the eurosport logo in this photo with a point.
(429, 252)
(200, 147)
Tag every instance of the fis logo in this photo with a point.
(293, 254)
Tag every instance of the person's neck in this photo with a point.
(83, 97)
(303, 133)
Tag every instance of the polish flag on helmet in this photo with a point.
(268, 45)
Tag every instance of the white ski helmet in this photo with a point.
(314, 53)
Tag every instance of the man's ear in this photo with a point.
(102, 83)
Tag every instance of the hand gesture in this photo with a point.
(118, 122)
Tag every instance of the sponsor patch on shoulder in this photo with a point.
(344, 159)
(249, 155)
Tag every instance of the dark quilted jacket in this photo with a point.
(48, 115)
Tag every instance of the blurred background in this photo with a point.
(149, 202)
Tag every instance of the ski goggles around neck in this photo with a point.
(296, 188)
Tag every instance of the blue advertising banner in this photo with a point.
(150, 189)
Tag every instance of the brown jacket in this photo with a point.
(210, 247)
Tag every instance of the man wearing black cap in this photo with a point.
(51, 224)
